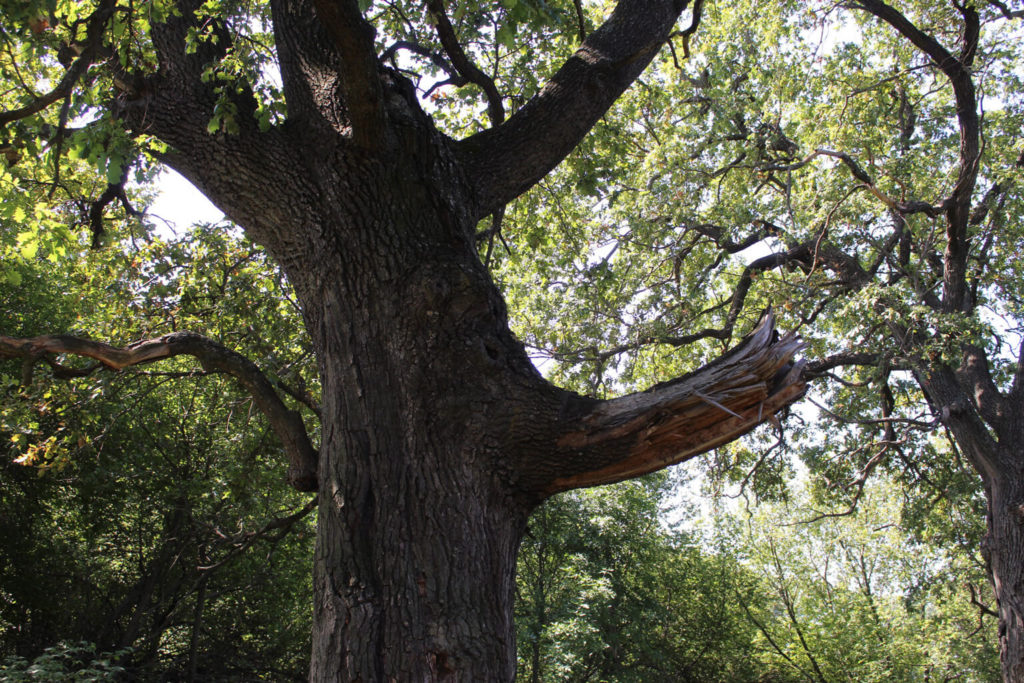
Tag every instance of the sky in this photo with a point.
(180, 205)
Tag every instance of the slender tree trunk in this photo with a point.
(1004, 552)
(197, 627)
(540, 605)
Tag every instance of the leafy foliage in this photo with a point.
(64, 663)
(153, 512)
(778, 166)
(858, 598)
(608, 593)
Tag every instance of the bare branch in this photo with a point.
(581, 21)
(213, 356)
(983, 609)
(807, 256)
(436, 58)
(243, 541)
(903, 208)
(698, 8)
(787, 601)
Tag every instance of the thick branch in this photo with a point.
(698, 11)
(507, 160)
(182, 65)
(310, 66)
(672, 422)
(1006, 11)
(96, 209)
(360, 74)
(823, 366)
(975, 376)
(959, 415)
(436, 58)
(213, 357)
(958, 71)
(942, 58)
(466, 68)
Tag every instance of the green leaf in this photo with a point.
(114, 170)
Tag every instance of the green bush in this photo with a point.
(64, 662)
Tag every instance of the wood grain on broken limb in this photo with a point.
(672, 422)
(213, 357)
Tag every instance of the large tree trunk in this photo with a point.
(988, 427)
(419, 524)
(415, 562)
(420, 518)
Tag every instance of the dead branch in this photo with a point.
(213, 357)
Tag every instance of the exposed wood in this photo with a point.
(672, 422)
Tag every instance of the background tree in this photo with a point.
(438, 435)
(859, 598)
(608, 592)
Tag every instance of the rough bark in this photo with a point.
(1004, 553)
(990, 445)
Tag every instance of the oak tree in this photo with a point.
(302, 121)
